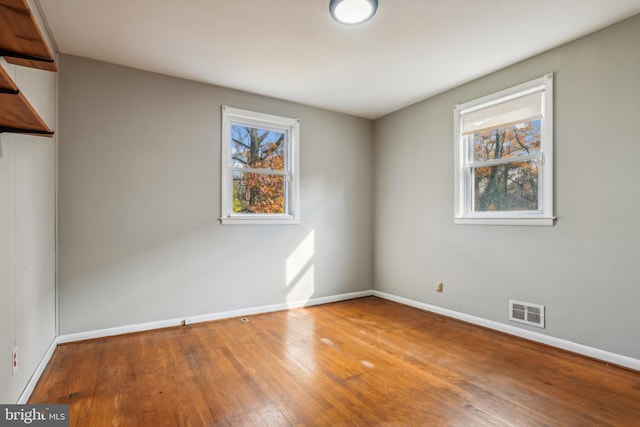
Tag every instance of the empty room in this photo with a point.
(319, 213)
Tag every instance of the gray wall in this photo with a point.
(585, 269)
(27, 237)
(139, 202)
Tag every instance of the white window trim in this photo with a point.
(231, 116)
(543, 217)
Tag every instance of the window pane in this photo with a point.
(257, 148)
(508, 141)
(508, 187)
(258, 193)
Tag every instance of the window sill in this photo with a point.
(535, 221)
(259, 221)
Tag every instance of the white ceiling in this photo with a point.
(291, 49)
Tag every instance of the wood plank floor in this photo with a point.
(365, 362)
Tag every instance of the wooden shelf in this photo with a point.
(21, 41)
(17, 115)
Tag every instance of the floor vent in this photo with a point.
(525, 312)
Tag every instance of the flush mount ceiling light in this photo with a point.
(352, 12)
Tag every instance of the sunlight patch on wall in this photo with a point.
(300, 271)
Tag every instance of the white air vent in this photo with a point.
(525, 312)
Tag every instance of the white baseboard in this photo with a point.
(119, 330)
(101, 333)
(33, 381)
(595, 353)
(277, 307)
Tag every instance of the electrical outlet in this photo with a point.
(14, 361)
(440, 287)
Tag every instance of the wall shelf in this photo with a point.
(21, 41)
(17, 115)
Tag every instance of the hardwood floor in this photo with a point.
(365, 362)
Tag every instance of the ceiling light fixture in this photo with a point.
(353, 12)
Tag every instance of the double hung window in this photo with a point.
(504, 157)
(260, 179)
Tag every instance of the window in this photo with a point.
(260, 177)
(504, 157)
